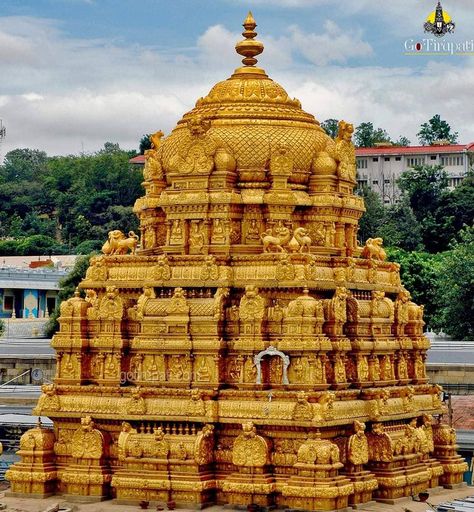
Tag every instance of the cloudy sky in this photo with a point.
(77, 73)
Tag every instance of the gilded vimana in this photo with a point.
(244, 349)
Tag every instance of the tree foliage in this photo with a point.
(455, 289)
(68, 285)
(145, 143)
(65, 199)
(419, 272)
(331, 126)
(402, 141)
(436, 129)
(366, 136)
(374, 215)
(430, 232)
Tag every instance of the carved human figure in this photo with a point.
(339, 369)
(196, 237)
(402, 368)
(402, 303)
(358, 447)
(202, 373)
(345, 151)
(218, 232)
(153, 169)
(380, 444)
(420, 371)
(87, 442)
(362, 368)
(148, 293)
(281, 162)
(303, 410)
(338, 307)
(253, 232)
(111, 305)
(250, 449)
(177, 234)
(252, 305)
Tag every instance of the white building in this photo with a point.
(379, 167)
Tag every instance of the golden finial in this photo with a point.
(249, 47)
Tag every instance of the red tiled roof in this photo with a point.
(414, 150)
(387, 150)
(463, 412)
(139, 159)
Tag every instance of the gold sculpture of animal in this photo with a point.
(118, 243)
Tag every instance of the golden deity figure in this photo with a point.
(247, 349)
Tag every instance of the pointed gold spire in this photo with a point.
(249, 47)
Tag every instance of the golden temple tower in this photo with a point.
(249, 352)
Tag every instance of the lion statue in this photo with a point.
(118, 243)
(373, 250)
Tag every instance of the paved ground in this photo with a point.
(32, 347)
(31, 505)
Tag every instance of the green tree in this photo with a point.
(456, 210)
(400, 227)
(424, 188)
(436, 129)
(110, 147)
(68, 285)
(455, 289)
(2, 327)
(366, 136)
(373, 217)
(331, 126)
(145, 143)
(89, 246)
(402, 141)
(23, 164)
(419, 272)
(39, 244)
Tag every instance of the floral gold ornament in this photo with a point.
(248, 350)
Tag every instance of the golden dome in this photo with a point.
(250, 115)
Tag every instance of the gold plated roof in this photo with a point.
(250, 99)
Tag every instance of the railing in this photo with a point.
(24, 328)
(12, 380)
(459, 389)
(41, 274)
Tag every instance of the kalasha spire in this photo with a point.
(249, 47)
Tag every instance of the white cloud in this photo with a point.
(334, 45)
(63, 94)
(287, 3)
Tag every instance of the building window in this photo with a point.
(8, 302)
(386, 181)
(452, 160)
(362, 163)
(454, 182)
(398, 158)
(418, 160)
(375, 159)
(375, 182)
(387, 159)
(433, 157)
